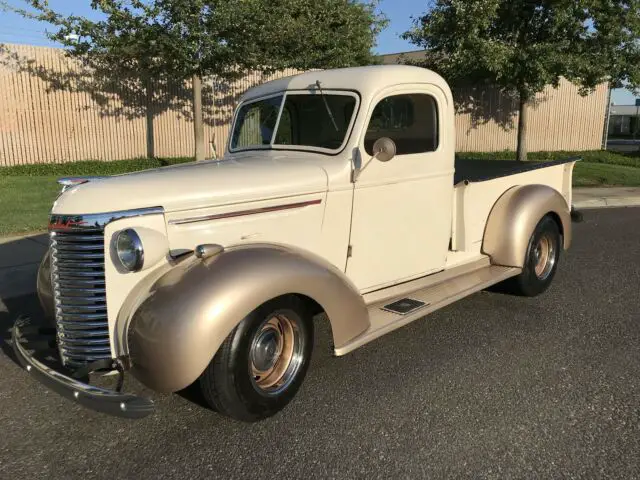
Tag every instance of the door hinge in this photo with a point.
(349, 251)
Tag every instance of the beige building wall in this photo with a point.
(51, 111)
(559, 119)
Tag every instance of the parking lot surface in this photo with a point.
(493, 386)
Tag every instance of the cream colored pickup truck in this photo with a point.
(338, 194)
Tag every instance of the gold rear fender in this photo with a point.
(514, 218)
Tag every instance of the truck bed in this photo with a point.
(479, 183)
(470, 170)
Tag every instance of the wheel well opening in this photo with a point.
(316, 311)
(314, 308)
(556, 218)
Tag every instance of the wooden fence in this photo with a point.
(52, 111)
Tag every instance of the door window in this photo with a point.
(410, 120)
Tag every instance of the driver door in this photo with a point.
(401, 221)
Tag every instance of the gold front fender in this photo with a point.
(514, 217)
(176, 331)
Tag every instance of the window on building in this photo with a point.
(410, 120)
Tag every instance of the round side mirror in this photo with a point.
(384, 149)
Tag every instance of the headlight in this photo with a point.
(129, 249)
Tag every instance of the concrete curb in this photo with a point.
(604, 202)
(600, 197)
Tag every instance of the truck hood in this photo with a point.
(258, 176)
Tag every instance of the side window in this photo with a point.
(410, 120)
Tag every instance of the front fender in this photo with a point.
(176, 331)
(514, 217)
(44, 288)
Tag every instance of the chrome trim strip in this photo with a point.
(243, 213)
(78, 222)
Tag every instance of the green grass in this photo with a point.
(28, 191)
(602, 175)
(90, 167)
(598, 168)
(592, 156)
(25, 203)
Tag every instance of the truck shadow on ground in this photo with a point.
(24, 307)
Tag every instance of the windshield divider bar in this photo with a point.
(275, 129)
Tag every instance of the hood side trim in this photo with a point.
(242, 213)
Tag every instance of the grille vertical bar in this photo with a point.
(77, 274)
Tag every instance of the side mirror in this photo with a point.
(384, 149)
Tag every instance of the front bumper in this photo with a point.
(94, 398)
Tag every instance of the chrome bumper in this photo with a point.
(94, 398)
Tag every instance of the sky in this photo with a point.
(16, 29)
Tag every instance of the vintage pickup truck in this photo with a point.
(338, 194)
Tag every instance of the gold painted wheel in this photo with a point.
(544, 255)
(276, 354)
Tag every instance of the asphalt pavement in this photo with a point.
(493, 386)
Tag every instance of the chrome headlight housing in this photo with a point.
(129, 250)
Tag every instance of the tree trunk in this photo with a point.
(522, 130)
(198, 126)
(150, 110)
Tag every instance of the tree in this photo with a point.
(521, 46)
(154, 41)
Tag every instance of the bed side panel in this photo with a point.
(474, 201)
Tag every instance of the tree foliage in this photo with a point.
(182, 38)
(521, 46)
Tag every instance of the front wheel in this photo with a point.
(262, 363)
(541, 260)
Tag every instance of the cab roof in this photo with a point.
(365, 80)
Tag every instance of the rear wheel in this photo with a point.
(262, 363)
(541, 260)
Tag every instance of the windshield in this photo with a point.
(301, 120)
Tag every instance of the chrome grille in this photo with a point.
(77, 271)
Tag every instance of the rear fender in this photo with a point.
(190, 310)
(514, 217)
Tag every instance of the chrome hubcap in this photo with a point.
(276, 354)
(544, 256)
(267, 349)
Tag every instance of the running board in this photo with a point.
(397, 312)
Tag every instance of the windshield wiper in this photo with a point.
(326, 105)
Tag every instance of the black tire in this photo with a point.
(231, 383)
(531, 282)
